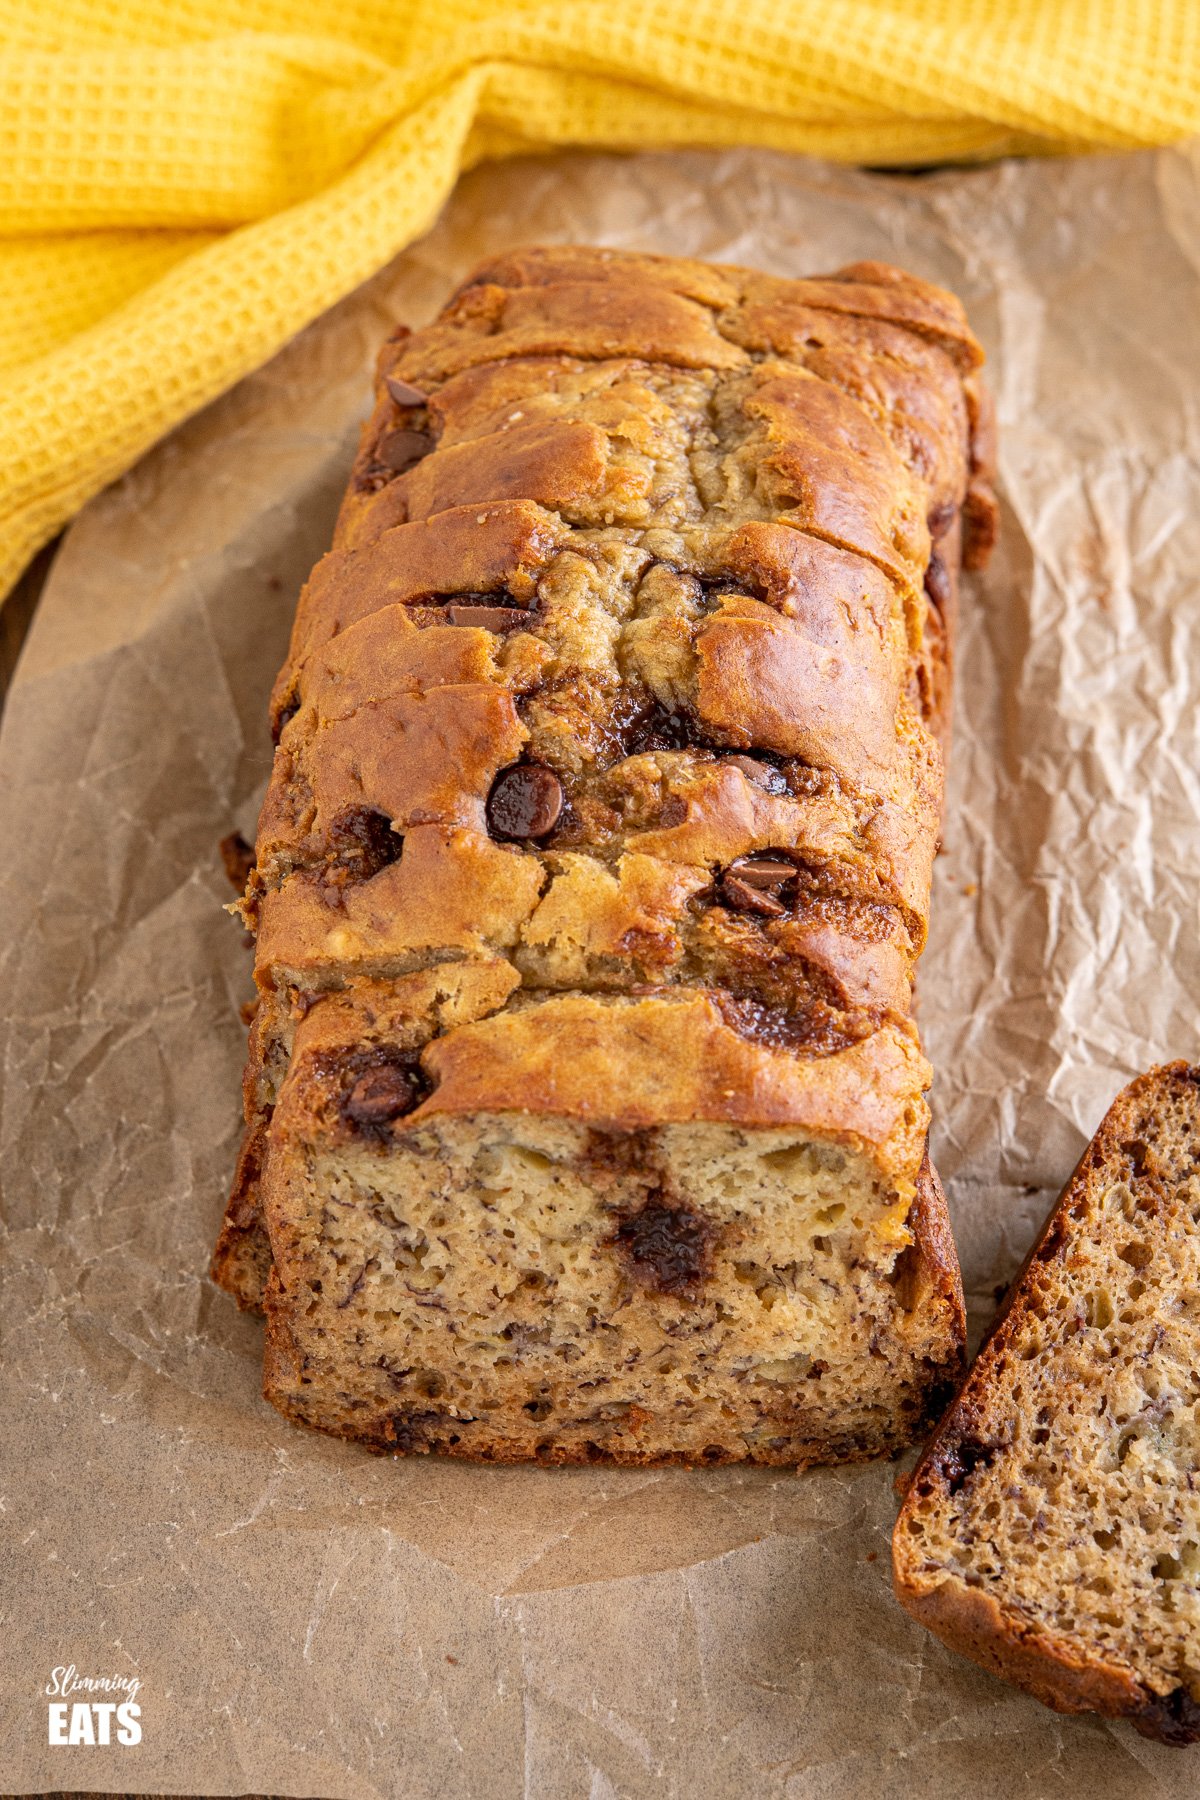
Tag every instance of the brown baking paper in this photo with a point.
(301, 1617)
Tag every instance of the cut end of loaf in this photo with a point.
(521, 1288)
(1052, 1529)
(590, 1228)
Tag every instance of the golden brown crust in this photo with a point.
(620, 1063)
(1002, 1633)
(241, 1261)
(980, 511)
(977, 1626)
(930, 1264)
(622, 691)
(493, 550)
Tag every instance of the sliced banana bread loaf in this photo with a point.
(585, 1109)
(1051, 1530)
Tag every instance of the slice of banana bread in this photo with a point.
(585, 1108)
(1051, 1530)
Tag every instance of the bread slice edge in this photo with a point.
(1001, 1638)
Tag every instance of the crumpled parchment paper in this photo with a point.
(303, 1618)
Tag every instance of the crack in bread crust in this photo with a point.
(608, 783)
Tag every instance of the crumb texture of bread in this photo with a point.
(1051, 1530)
(585, 1109)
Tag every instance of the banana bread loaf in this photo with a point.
(1051, 1530)
(585, 1109)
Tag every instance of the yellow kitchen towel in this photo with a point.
(185, 183)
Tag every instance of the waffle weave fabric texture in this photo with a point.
(185, 183)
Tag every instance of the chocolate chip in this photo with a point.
(399, 450)
(667, 1245)
(657, 728)
(941, 518)
(714, 588)
(763, 869)
(937, 581)
(752, 883)
(956, 1463)
(745, 898)
(814, 1028)
(403, 392)
(237, 859)
(487, 618)
(407, 1433)
(525, 801)
(763, 774)
(375, 1087)
(362, 840)
(1173, 1718)
(381, 1095)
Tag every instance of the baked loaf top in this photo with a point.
(620, 694)
(1051, 1530)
